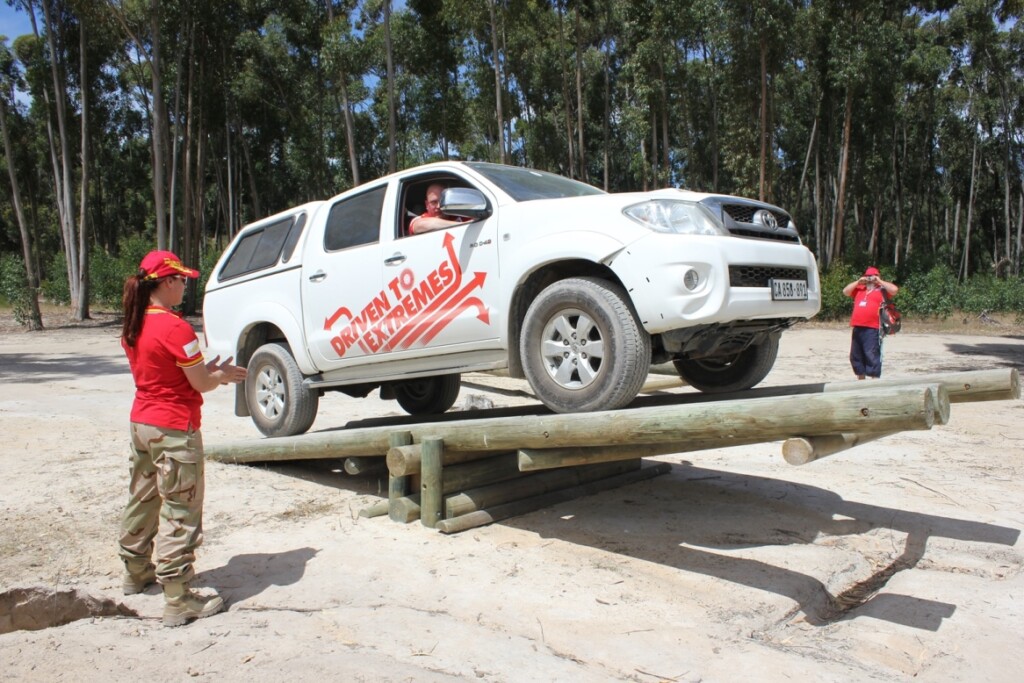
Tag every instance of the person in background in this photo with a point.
(167, 482)
(432, 218)
(866, 344)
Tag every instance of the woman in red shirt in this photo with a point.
(166, 490)
(866, 345)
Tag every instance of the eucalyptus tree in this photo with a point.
(8, 77)
(345, 64)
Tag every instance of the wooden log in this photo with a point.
(531, 485)
(398, 487)
(532, 459)
(655, 384)
(378, 509)
(525, 505)
(405, 460)
(802, 450)
(431, 481)
(962, 387)
(405, 509)
(895, 409)
(498, 467)
(356, 465)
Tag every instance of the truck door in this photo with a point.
(342, 294)
(446, 282)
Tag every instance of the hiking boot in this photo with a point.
(137, 581)
(182, 604)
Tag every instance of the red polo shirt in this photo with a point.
(865, 307)
(163, 395)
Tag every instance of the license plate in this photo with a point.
(788, 290)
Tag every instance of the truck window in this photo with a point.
(355, 220)
(262, 247)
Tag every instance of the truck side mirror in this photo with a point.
(465, 202)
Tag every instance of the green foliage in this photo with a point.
(108, 272)
(834, 305)
(934, 294)
(14, 286)
(916, 111)
(54, 283)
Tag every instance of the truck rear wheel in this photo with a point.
(583, 348)
(733, 373)
(428, 395)
(280, 404)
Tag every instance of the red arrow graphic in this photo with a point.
(427, 312)
(437, 312)
(329, 322)
(452, 313)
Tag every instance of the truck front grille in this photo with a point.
(758, 276)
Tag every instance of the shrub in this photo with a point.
(835, 306)
(14, 287)
(54, 285)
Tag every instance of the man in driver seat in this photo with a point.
(432, 218)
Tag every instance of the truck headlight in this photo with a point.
(681, 218)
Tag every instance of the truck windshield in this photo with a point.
(524, 184)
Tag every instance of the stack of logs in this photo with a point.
(457, 475)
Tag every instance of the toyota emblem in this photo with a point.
(767, 219)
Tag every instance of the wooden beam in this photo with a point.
(398, 487)
(525, 505)
(878, 410)
(431, 481)
(801, 450)
(405, 460)
(529, 485)
(362, 465)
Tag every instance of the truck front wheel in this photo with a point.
(583, 348)
(280, 404)
(733, 373)
(428, 395)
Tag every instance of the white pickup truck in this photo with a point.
(577, 290)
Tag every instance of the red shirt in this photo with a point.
(163, 395)
(865, 307)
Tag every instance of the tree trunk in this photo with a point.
(392, 114)
(60, 152)
(350, 136)
(498, 90)
(965, 263)
(763, 164)
(579, 99)
(160, 127)
(565, 98)
(606, 123)
(844, 165)
(35, 319)
(82, 310)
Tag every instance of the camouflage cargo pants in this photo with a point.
(165, 503)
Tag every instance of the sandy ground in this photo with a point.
(895, 560)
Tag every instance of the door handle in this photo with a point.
(396, 260)
(318, 276)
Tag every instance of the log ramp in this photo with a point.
(457, 475)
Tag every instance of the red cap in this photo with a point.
(158, 264)
(871, 271)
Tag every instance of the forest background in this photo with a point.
(891, 130)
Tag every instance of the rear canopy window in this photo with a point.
(261, 248)
(355, 220)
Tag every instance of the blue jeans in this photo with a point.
(866, 352)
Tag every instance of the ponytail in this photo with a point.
(134, 302)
